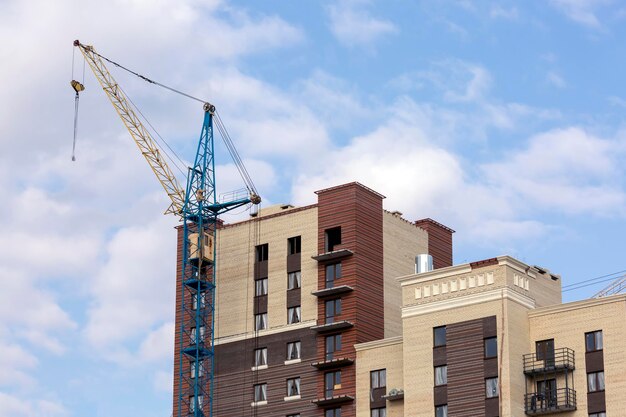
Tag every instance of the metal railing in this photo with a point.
(550, 401)
(562, 358)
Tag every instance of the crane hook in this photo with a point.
(78, 87)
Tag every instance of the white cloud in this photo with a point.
(499, 12)
(163, 381)
(581, 11)
(556, 80)
(18, 406)
(565, 170)
(158, 344)
(352, 25)
(132, 292)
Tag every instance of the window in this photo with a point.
(262, 252)
(332, 238)
(378, 412)
(260, 357)
(545, 351)
(192, 403)
(333, 308)
(260, 321)
(293, 351)
(332, 381)
(193, 334)
(491, 347)
(491, 388)
(192, 368)
(194, 300)
(294, 280)
(260, 393)
(293, 315)
(595, 381)
(441, 375)
(333, 344)
(260, 287)
(294, 245)
(333, 412)
(439, 336)
(378, 379)
(600, 414)
(593, 341)
(441, 410)
(293, 387)
(333, 272)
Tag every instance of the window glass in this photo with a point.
(260, 321)
(260, 392)
(441, 375)
(332, 381)
(294, 280)
(333, 412)
(333, 272)
(491, 347)
(439, 335)
(595, 381)
(293, 387)
(333, 308)
(194, 300)
(293, 350)
(192, 368)
(593, 341)
(192, 403)
(378, 412)
(260, 357)
(441, 410)
(491, 387)
(293, 315)
(262, 252)
(333, 344)
(260, 287)
(378, 378)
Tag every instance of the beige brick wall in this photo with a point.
(235, 263)
(402, 241)
(567, 325)
(381, 354)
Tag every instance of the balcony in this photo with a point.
(561, 360)
(333, 255)
(329, 327)
(550, 402)
(327, 292)
(333, 363)
(333, 400)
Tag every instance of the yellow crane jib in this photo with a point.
(146, 144)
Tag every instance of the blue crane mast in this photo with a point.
(199, 209)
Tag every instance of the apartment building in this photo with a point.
(492, 338)
(297, 289)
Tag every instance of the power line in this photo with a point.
(592, 281)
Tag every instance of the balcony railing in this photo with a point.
(550, 401)
(560, 359)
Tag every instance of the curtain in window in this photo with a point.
(260, 392)
(441, 375)
(294, 315)
(260, 357)
(294, 280)
(260, 321)
(293, 350)
(293, 387)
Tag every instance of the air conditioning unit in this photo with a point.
(201, 248)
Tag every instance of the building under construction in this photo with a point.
(323, 310)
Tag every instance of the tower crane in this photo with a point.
(198, 208)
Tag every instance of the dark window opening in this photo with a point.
(439, 336)
(333, 272)
(593, 341)
(333, 308)
(294, 245)
(262, 252)
(546, 391)
(332, 238)
(545, 351)
(491, 347)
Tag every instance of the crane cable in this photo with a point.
(243, 172)
(78, 87)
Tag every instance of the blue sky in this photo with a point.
(503, 120)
